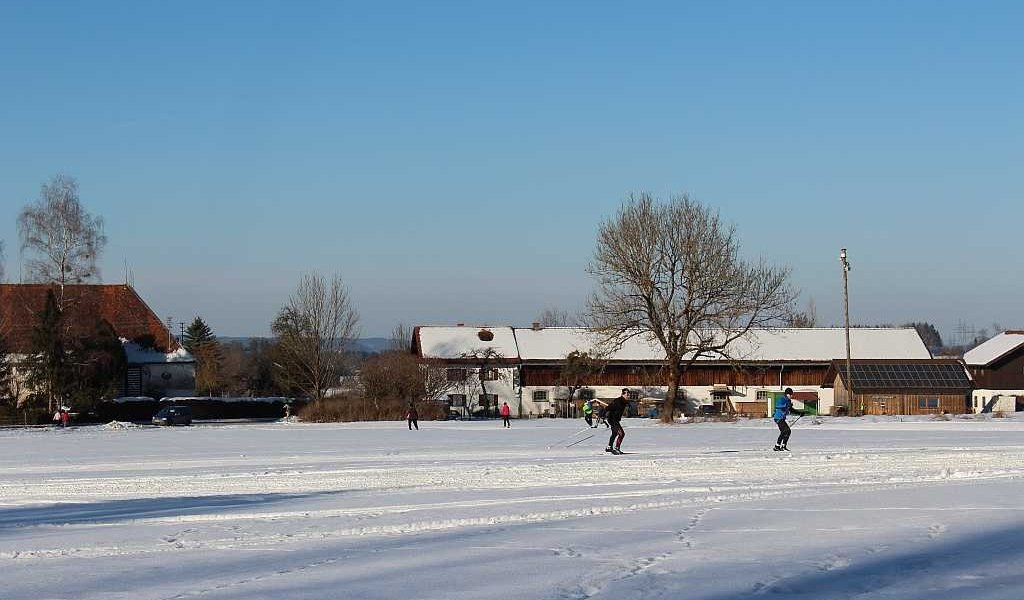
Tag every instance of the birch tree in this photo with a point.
(671, 274)
(62, 239)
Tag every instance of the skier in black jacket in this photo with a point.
(613, 416)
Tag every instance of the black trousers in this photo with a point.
(413, 422)
(589, 419)
(617, 434)
(784, 432)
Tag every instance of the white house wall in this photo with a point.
(695, 395)
(503, 387)
(995, 400)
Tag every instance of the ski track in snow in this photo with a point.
(266, 501)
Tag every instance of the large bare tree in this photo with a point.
(671, 274)
(63, 240)
(313, 332)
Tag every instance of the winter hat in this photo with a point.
(789, 391)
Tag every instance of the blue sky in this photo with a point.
(453, 160)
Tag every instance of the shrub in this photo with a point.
(358, 408)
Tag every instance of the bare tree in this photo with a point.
(313, 332)
(804, 318)
(393, 375)
(484, 357)
(554, 317)
(1, 260)
(671, 274)
(401, 338)
(64, 240)
(579, 369)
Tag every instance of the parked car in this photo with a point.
(173, 415)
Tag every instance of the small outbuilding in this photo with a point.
(899, 387)
(997, 366)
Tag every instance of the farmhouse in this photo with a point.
(157, 365)
(526, 367)
(997, 366)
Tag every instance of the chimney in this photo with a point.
(536, 326)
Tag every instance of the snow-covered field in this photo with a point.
(863, 508)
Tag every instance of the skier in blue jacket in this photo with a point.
(783, 407)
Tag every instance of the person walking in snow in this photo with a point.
(505, 412)
(413, 417)
(783, 407)
(613, 417)
(588, 413)
(65, 416)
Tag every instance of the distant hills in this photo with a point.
(368, 345)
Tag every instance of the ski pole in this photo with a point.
(567, 438)
(580, 440)
(796, 421)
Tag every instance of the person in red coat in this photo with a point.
(505, 412)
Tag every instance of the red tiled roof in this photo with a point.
(118, 304)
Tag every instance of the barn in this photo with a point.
(526, 367)
(899, 387)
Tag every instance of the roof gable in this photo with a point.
(117, 304)
(551, 344)
(995, 348)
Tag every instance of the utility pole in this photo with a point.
(846, 314)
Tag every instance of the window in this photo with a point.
(456, 374)
(927, 402)
(765, 395)
(633, 395)
(457, 399)
(540, 396)
(488, 399)
(489, 374)
(586, 394)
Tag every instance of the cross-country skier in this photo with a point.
(588, 413)
(613, 415)
(413, 417)
(783, 407)
(505, 412)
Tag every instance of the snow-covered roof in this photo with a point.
(461, 342)
(805, 344)
(995, 348)
(136, 354)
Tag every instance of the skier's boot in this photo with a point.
(777, 447)
(616, 451)
(785, 448)
(610, 449)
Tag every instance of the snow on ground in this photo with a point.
(863, 508)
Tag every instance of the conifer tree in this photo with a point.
(197, 334)
(99, 364)
(7, 395)
(47, 363)
(203, 345)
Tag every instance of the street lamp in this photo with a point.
(846, 314)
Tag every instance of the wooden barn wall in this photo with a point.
(639, 376)
(894, 403)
